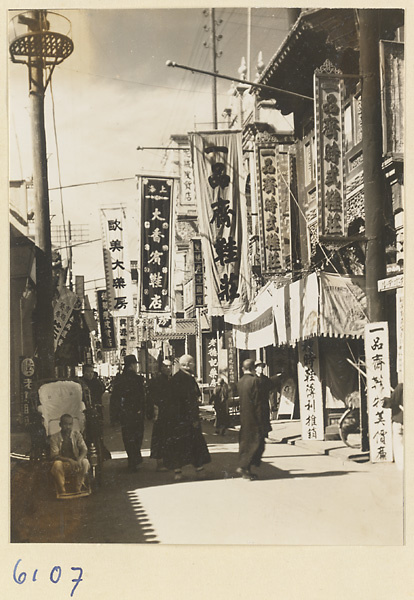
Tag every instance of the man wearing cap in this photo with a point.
(252, 434)
(128, 396)
(159, 394)
(185, 443)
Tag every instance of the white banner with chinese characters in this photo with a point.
(378, 387)
(63, 318)
(330, 150)
(221, 204)
(116, 261)
(156, 197)
(310, 390)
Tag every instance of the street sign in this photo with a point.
(391, 283)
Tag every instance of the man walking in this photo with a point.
(185, 444)
(159, 394)
(128, 397)
(252, 434)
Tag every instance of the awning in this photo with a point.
(320, 304)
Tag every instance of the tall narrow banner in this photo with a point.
(27, 374)
(330, 150)
(222, 213)
(272, 173)
(63, 317)
(121, 326)
(116, 261)
(198, 274)
(310, 390)
(156, 240)
(378, 387)
(106, 321)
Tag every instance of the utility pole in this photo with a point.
(214, 61)
(35, 45)
(374, 189)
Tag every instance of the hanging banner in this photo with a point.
(186, 175)
(63, 318)
(271, 246)
(121, 326)
(310, 390)
(156, 240)
(198, 274)
(378, 387)
(343, 305)
(222, 213)
(116, 261)
(330, 149)
(106, 321)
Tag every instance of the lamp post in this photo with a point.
(39, 39)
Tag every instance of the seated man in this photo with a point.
(68, 452)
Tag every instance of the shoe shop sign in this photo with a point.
(378, 387)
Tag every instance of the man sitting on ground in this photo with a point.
(68, 452)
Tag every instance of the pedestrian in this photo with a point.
(252, 433)
(220, 403)
(128, 398)
(96, 388)
(184, 444)
(159, 392)
(267, 389)
(395, 402)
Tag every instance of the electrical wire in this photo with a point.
(58, 169)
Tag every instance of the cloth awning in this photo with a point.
(320, 304)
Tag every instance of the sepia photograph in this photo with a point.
(206, 258)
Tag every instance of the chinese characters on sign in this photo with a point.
(330, 149)
(231, 358)
(310, 390)
(156, 200)
(116, 262)
(198, 274)
(272, 245)
(106, 321)
(223, 219)
(122, 331)
(378, 388)
(27, 377)
(63, 315)
(212, 361)
(186, 177)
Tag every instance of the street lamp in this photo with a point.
(40, 39)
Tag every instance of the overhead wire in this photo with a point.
(58, 168)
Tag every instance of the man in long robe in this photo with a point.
(252, 434)
(184, 442)
(159, 393)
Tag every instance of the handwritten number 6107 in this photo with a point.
(55, 575)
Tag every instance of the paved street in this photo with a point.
(301, 498)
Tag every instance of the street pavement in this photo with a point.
(301, 497)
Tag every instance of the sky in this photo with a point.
(115, 93)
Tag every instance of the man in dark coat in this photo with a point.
(128, 396)
(265, 387)
(96, 388)
(184, 443)
(252, 434)
(159, 392)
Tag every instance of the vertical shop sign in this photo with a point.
(186, 177)
(156, 203)
(310, 390)
(63, 317)
(392, 96)
(106, 321)
(212, 361)
(198, 274)
(270, 210)
(122, 332)
(330, 149)
(27, 377)
(231, 359)
(378, 387)
(116, 261)
(223, 219)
